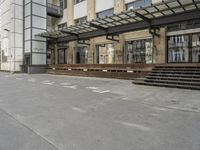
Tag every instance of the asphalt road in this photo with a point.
(46, 112)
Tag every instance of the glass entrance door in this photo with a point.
(81, 55)
(105, 54)
(62, 58)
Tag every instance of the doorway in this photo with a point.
(27, 62)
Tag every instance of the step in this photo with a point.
(177, 72)
(173, 82)
(173, 78)
(167, 85)
(181, 67)
(178, 69)
(174, 75)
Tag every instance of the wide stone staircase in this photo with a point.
(177, 76)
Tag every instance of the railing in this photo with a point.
(54, 10)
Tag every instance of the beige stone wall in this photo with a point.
(160, 47)
(70, 21)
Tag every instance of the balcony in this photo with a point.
(54, 10)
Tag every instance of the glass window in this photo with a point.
(27, 9)
(61, 26)
(38, 46)
(196, 48)
(38, 59)
(39, 10)
(80, 20)
(64, 4)
(139, 51)
(39, 22)
(27, 48)
(27, 22)
(105, 13)
(178, 48)
(138, 4)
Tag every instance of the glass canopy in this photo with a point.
(158, 10)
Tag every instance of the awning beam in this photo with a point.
(68, 32)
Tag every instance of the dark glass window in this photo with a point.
(62, 59)
(61, 26)
(138, 4)
(63, 4)
(78, 1)
(105, 13)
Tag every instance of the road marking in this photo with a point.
(65, 84)
(50, 83)
(92, 88)
(19, 78)
(133, 125)
(101, 92)
(78, 109)
(47, 82)
(71, 87)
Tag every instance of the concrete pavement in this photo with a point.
(46, 112)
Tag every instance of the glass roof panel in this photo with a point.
(116, 18)
(117, 23)
(168, 12)
(151, 9)
(123, 16)
(111, 25)
(138, 18)
(109, 19)
(173, 4)
(178, 10)
(149, 16)
(124, 21)
(131, 20)
(142, 12)
(102, 21)
(161, 7)
(190, 7)
(158, 14)
(184, 2)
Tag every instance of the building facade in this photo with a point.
(23, 21)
